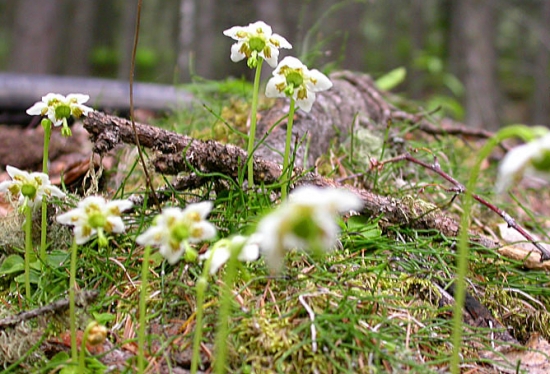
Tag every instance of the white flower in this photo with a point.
(219, 253)
(293, 79)
(256, 40)
(532, 159)
(305, 221)
(95, 215)
(58, 107)
(174, 229)
(332, 199)
(29, 187)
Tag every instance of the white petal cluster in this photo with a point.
(174, 228)
(219, 253)
(293, 79)
(532, 159)
(256, 40)
(95, 213)
(306, 221)
(29, 187)
(57, 107)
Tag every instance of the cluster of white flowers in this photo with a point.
(29, 188)
(291, 78)
(175, 228)
(305, 221)
(94, 215)
(254, 41)
(59, 108)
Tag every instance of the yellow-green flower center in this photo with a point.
(97, 220)
(179, 233)
(256, 44)
(294, 79)
(62, 111)
(302, 225)
(29, 191)
(542, 163)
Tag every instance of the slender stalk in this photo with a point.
(28, 252)
(286, 160)
(202, 282)
(253, 120)
(143, 309)
(72, 308)
(463, 247)
(82, 357)
(44, 225)
(225, 312)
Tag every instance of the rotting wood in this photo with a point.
(180, 153)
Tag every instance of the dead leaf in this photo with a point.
(533, 358)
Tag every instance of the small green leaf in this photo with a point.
(104, 318)
(391, 79)
(12, 264)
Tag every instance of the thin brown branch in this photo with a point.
(460, 188)
(82, 298)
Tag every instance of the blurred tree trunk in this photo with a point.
(478, 28)
(81, 28)
(417, 30)
(453, 17)
(127, 30)
(541, 110)
(35, 34)
(186, 36)
(209, 38)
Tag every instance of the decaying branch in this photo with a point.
(83, 298)
(179, 153)
(460, 189)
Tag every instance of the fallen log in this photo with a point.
(20, 91)
(180, 153)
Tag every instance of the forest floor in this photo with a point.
(379, 303)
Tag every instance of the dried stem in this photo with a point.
(459, 188)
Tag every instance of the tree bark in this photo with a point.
(81, 28)
(127, 31)
(541, 102)
(186, 36)
(482, 94)
(34, 39)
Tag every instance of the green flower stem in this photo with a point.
(72, 309)
(286, 160)
(253, 120)
(82, 356)
(47, 125)
(28, 251)
(143, 309)
(202, 283)
(225, 312)
(524, 133)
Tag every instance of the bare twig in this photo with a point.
(459, 188)
(83, 298)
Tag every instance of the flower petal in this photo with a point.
(306, 103)
(318, 81)
(37, 109)
(236, 54)
(271, 89)
(170, 255)
(77, 98)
